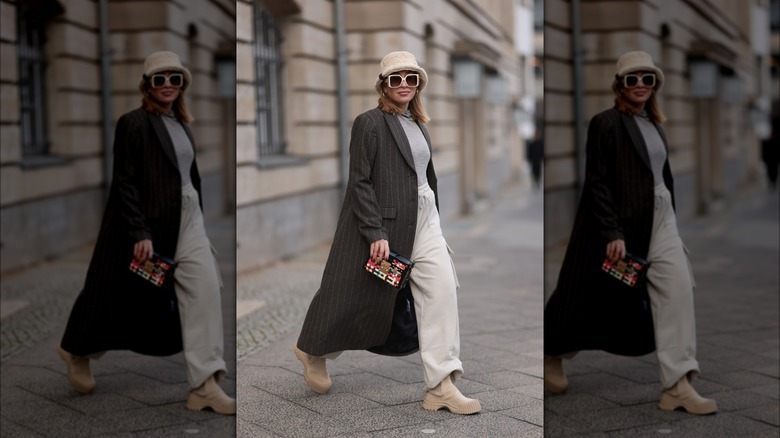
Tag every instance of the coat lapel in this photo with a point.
(636, 138)
(400, 138)
(165, 138)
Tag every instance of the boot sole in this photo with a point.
(319, 389)
(201, 405)
(670, 404)
(471, 408)
(81, 389)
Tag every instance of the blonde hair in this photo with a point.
(149, 104)
(651, 107)
(415, 105)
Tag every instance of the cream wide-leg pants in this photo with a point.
(670, 286)
(197, 284)
(434, 286)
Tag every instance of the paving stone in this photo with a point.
(741, 399)
(97, 404)
(507, 379)
(630, 395)
(375, 419)
(536, 391)
(765, 413)
(605, 420)
(771, 391)
(570, 404)
(504, 399)
(530, 413)
(742, 379)
(719, 425)
(336, 404)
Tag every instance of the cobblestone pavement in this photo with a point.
(735, 259)
(280, 297)
(135, 396)
(498, 256)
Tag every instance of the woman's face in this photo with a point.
(403, 94)
(641, 92)
(169, 91)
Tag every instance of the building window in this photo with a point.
(268, 68)
(32, 83)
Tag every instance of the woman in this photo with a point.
(154, 206)
(627, 206)
(391, 201)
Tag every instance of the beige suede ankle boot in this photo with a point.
(314, 371)
(682, 395)
(79, 373)
(555, 379)
(446, 395)
(210, 395)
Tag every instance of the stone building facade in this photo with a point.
(715, 56)
(290, 150)
(56, 124)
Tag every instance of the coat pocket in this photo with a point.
(452, 263)
(387, 212)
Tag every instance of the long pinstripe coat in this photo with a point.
(588, 310)
(116, 310)
(352, 309)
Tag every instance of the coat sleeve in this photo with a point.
(126, 145)
(600, 144)
(362, 151)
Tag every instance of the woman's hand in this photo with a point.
(616, 250)
(143, 249)
(380, 250)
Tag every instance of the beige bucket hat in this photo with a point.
(638, 61)
(166, 61)
(400, 61)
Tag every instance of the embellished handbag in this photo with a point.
(394, 271)
(630, 270)
(157, 270)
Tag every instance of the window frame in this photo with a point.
(269, 86)
(33, 103)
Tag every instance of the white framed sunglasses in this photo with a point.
(411, 80)
(632, 80)
(159, 80)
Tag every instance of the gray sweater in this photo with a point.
(420, 151)
(182, 145)
(655, 146)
